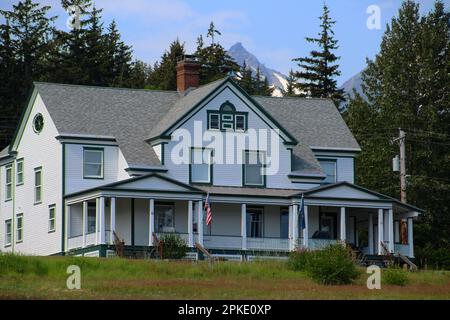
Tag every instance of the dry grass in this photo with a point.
(45, 278)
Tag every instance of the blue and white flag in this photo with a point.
(302, 214)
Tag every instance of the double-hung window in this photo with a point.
(165, 214)
(329, 168)
(19, 172)
(93, 163)
(255, 222)
(37, 185)
(8, 183)
(92, 217)
(51, 218)
(8, 232)
(201, 165)
(19, 228)
(214, 122)
(254, 168)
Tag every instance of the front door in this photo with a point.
(328, 224)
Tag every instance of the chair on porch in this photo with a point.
(119, 245)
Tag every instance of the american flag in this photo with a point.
(208, 210)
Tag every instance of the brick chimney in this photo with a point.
(188, 75)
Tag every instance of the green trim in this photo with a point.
(211, 172)
(23, 171)
(102, 177)
(264, 178)
(163, 153)
(212, 95)
(63, 191)
(62, 137)
(26, 112)
(34, 120)
(336, 151)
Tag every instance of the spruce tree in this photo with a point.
(407, 86)
(164, 75)
(119, 58)
(290, 90)
(245, 79)
(215, 62)
(318, 71)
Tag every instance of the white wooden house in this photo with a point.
(86, 161)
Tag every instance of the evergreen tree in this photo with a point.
(407, 86)
(215, 62)
(261, 84)
(119, 58)
(164, 75)
(245, 79)
(317, 72)
(139, 75)
(291, 84)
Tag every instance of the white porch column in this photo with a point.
(391, 230)
(244, 226)
(380, 230)
(101, 203)
(306, 230)
(294, 239)
(85, 222)
(342, 228)
(66, 226)
(200, 222)
(410, 238)
(112, 220)
(96, 220)
(190, 225)
(290, 226)
(370, 234)
(151, 222)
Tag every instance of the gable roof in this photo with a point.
(369, 194)
(126, 114)
(131, 116)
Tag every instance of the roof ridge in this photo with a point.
(293, 98)
(102, 87)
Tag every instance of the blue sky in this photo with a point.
(272, 30)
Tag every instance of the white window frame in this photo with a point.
(218, 121)
(8, 185)
(209, 163)
(37, 186)
(19, 229)
(263, 161)
(8, 235)
(102, 163)
(51, 219)
(19, 173)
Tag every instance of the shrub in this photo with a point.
(331, 266)
(395, 276)
(298, 260)
(429, 257)
(173, 246)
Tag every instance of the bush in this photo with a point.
(330, 266)
(429, 257)
(395, 276)
(298, 260)
(173, 246)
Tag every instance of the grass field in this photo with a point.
(45, 278)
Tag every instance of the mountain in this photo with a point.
(354, 82)
(275, 78)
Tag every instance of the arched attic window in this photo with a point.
(227, 118)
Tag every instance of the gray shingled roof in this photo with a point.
(126, 114)
(132, 116)
(239, 191)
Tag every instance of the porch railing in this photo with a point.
(402, 248)
(272, 244)
(222, 242)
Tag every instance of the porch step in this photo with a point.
(378, 260)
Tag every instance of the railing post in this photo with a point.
(410, 238)
(306, 230)
(190, 225)
(112, 221)
(151, 221)
(380, 230)
(85, 222)
(370, 234)
(200, 222)
(66, 226)
(244, 226)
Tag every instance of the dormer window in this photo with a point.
(227, 118)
